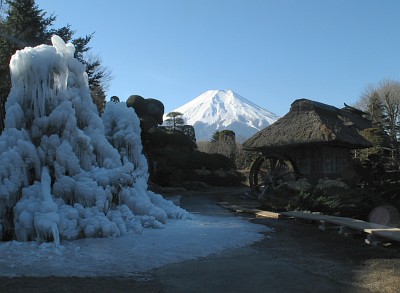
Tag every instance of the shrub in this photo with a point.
(287, 196)
(157, 138)
(221, 178)
(199, 160)
(283, 198)
(328, 196)
(355, 203)
(174, 158)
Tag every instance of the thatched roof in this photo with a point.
(309, 122)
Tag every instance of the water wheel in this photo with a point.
(268, 171)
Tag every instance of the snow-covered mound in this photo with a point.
(65, 172)
(224, 109)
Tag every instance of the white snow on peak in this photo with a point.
(224, 109)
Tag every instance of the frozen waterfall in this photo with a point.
(66, 172)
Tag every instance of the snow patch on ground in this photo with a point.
(129, 254)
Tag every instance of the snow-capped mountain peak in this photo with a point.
(224, 109)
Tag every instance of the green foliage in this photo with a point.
(373, 164)
(371, 171)
(200, 160)
(376, 110)
(25, 24)
(215, 136)
(223, 135)
(382, 102)
(158, 137)
(282, 198)
(331, 200)
(220, 178)
(356, 203)
(114, 99)
(176, 160)
(190, 160)
(174, 167)
(98, 75)
(242, 159)
(224, 143)
(378, 138)
(377, 134)
(174, 120)
(227, 134)
(189, 131)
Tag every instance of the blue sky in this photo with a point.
(270, 52)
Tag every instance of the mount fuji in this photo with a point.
(224, 109)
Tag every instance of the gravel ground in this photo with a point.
(295, 257)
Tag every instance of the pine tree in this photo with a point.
(379, 121)
(376, 158)
(98, 75)
(175, 120)
(388, 94)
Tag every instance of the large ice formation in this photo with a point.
(66, 172)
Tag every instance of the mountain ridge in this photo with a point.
(225, 109)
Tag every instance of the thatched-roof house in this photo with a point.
(316, 137)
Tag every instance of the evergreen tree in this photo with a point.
(114, 99)
(224, 143)
(215, 136)
(189, 131)
(175, 120)
(379, 119)
(376, 160)
(98, 76)
(386, 98)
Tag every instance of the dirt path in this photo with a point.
(296, 257)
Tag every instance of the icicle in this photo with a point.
(61, 170)
(46, 221)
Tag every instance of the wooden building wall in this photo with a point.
(317, 162)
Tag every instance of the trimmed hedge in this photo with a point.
(174, 159)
